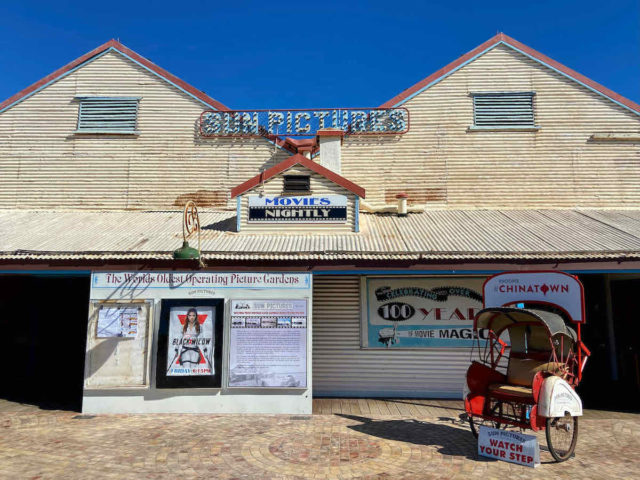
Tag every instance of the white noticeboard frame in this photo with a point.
(119, 344)
(267, 344)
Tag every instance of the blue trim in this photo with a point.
(445, 75)
(449, 272)
(357, 215)
(48, 273)
(56, 79)
(238, 211)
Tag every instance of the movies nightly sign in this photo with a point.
(316, 209)
(248, 123)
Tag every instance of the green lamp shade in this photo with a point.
(186, 252)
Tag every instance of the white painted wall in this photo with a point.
(199, 400)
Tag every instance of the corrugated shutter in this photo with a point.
(342, 368)
(509, 109)
(107, 114)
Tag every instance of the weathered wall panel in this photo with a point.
(45, 165)
(342, 368)
(439, 163)
(443, 165)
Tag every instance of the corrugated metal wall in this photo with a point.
(342, 368)
(441, 164)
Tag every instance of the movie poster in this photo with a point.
(190, 343)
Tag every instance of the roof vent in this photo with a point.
(402, 204)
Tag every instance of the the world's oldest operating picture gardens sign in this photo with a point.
(315, 209)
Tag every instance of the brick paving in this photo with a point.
(351, 442)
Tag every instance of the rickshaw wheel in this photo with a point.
(476, 422)
(562, 436)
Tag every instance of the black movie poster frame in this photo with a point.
(212, 381)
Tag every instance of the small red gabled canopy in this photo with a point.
(290, 162)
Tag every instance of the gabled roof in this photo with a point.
(290, 162)
(115, 46)
(502, 39)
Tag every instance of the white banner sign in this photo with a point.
(268, 344)
(287, 209)
(509, 446)
(131, 280)
(422, 312)
(552, 288)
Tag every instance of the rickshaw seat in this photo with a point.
(504, 390)
(520, 373)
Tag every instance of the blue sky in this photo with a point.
(349, 53)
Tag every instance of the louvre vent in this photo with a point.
(297, 183)
(107, 114)
(508, 109)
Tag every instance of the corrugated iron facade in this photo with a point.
(46, 165)
(441, 163)
(433, 235)
(342, 368)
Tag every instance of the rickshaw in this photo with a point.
(526, 363)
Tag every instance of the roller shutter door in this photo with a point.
(342, 368)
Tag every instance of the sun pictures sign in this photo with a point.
(352, 121)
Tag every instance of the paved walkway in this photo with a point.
(351, 442)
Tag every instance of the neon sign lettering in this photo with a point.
(248, 123)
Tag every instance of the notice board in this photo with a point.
(118, 344)
(268, 343)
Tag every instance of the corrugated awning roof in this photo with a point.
(433, 235)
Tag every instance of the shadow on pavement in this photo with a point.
(449, 439)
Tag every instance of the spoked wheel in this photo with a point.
(476, 422)
(562, 436)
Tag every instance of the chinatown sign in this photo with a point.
(352, 121)
(551, 288)
(316, 209)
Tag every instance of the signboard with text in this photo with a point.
(416, 312)
(268, 343)
(510, 446)
(352, 121)
(286, 209)
(552, 288)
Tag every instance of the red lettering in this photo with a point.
(458, 314)
(564, 288)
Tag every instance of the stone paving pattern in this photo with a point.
(351, 442)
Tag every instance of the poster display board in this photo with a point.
(268, 344)
(118, 345)
(190, 343)
(417, 312)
